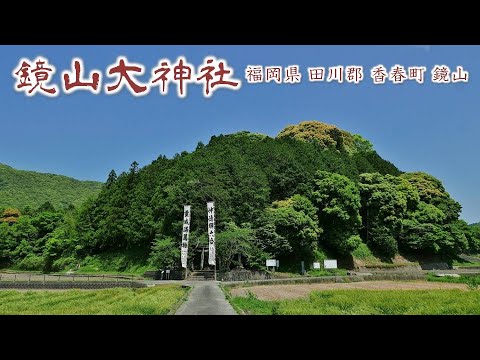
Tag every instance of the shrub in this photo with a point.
(31, 262)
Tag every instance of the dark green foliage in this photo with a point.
(337, 200)
(386, 200)
(433, 226)
(21, 189)
(239, 240)
(473, 237)
(37, 242)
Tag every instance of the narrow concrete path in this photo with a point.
(206, 298)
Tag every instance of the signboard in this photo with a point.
(278, 263)
(211, 232)
(272, 262)
(185, 234)
(316, 265)
(330, 264)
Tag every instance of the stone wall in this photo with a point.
(243, 275)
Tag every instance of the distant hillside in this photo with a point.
(476, 224)
(19, 188)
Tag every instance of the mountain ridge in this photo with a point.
(26, 188)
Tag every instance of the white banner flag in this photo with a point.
(211, 232)
(185, 234)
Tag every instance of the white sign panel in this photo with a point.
(316, 265)
(211, 232)
(185, 234)
(272, 262)
(330, 264)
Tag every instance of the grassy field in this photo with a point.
(157, 300)
(366, 302)
(465, 264)
(473, 281)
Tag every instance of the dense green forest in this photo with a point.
(312, 190)
(21, 189)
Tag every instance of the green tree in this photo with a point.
(165, 253)
(433, 227)
(386, 201)
(473, 238)
(46, 222)
(112, 177)
(289, 228)
(337, 200)
(237, 242)
(46, 207)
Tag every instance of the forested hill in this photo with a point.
(313, 191)
(20, 189)
(243, 172)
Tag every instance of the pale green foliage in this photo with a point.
(165, 253)
(362, 144)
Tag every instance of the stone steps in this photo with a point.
(201, 275)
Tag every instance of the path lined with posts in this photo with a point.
(206, 298)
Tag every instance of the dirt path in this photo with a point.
(279, 292)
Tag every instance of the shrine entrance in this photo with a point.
(199, 268)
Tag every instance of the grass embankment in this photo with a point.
(133, 262)
(157, 300)
(366, 302)
(364, 257)
(326, 272)
(465, 264)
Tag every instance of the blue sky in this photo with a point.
(430, 127)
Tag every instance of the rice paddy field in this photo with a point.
(158, 300)
(416, 300)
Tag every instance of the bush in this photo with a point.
(165, 253)
(319, 255)
(64, 263)
(327, 272)
(31, 262)
(362, 252)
